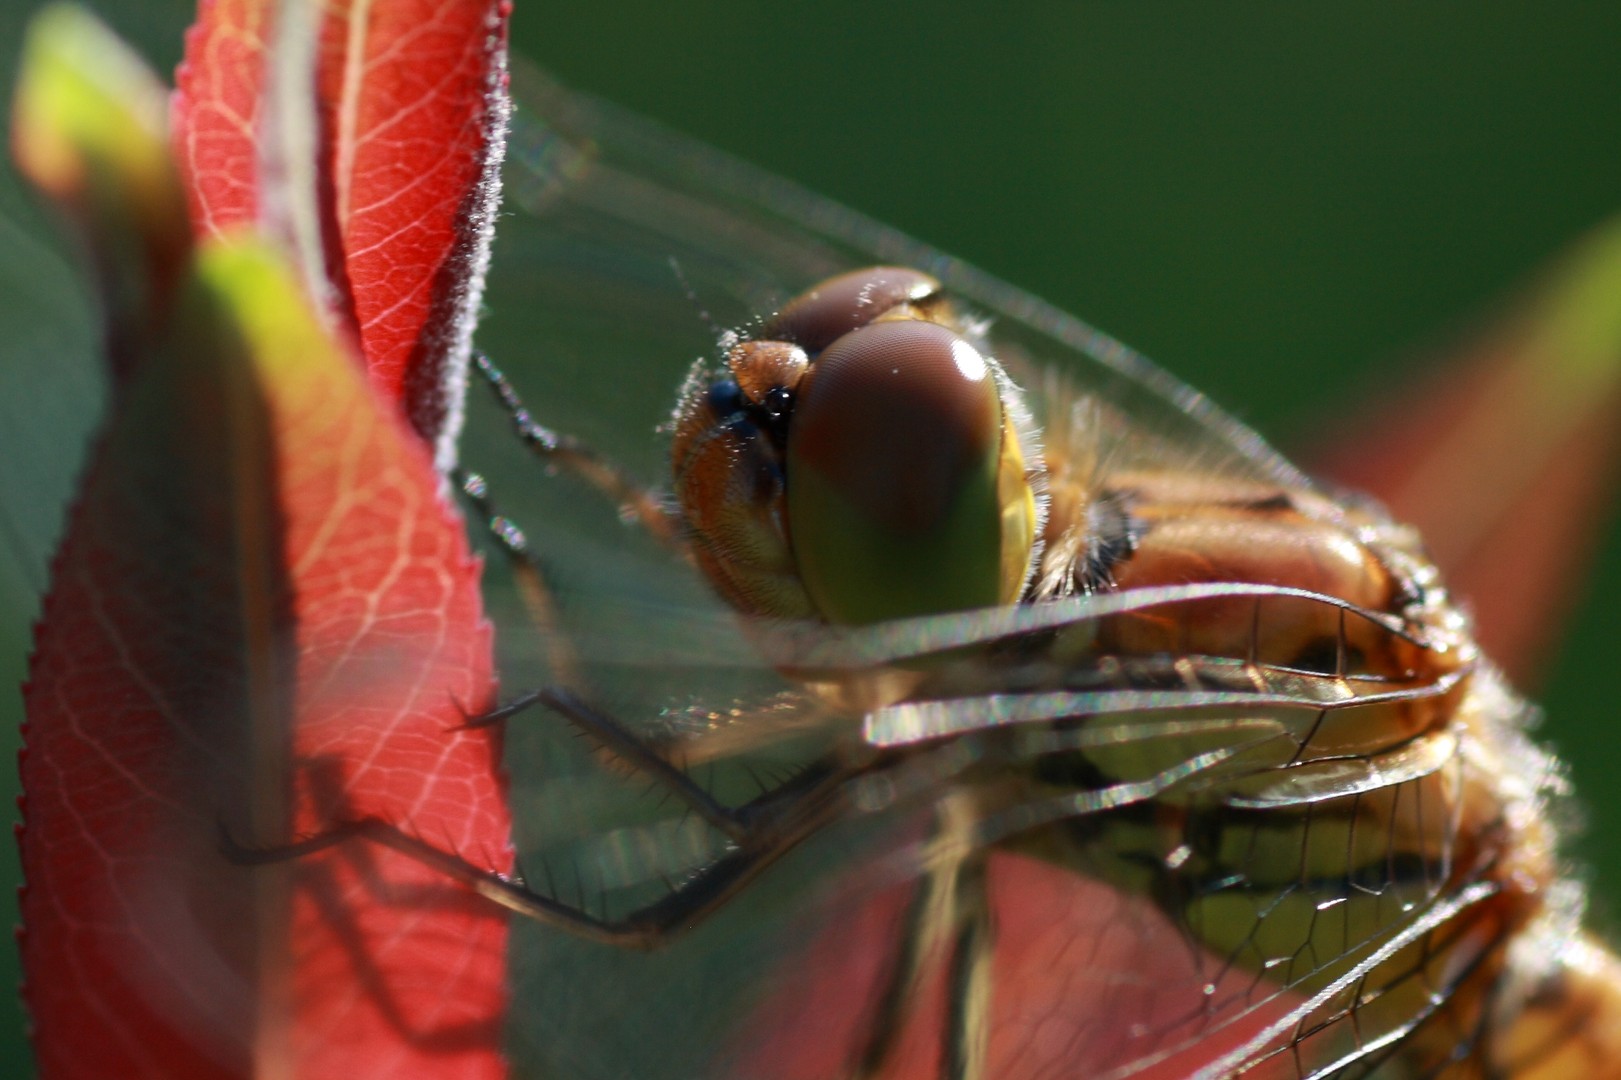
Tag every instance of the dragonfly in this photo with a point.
(1145, 756)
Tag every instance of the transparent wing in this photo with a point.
(639, 228)
(1219, 866)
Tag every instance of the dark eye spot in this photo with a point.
(775, 409)
(778, 401)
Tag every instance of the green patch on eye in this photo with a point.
(860, 571)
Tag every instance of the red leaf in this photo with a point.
(215, 113)
(399, 973)
(263, 618)
(138, 941)
(408, 124)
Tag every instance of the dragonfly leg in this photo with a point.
(631, 751)
(968, 1015)
(624, 748)
(762, 831)
(531, 583)
(949, 912)
(903, 979)
(636, 502)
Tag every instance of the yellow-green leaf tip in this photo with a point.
(90, 130)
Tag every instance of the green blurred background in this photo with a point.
(1281, 203)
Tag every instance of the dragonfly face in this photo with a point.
(907, 448)
(1053, 724)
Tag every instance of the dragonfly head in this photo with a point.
(862, 459)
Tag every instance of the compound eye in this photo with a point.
(892, 475)
(815, 319)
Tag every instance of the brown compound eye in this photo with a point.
(895, 456)
(816, 319)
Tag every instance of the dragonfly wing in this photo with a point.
(1174, 932)
(641, 217)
